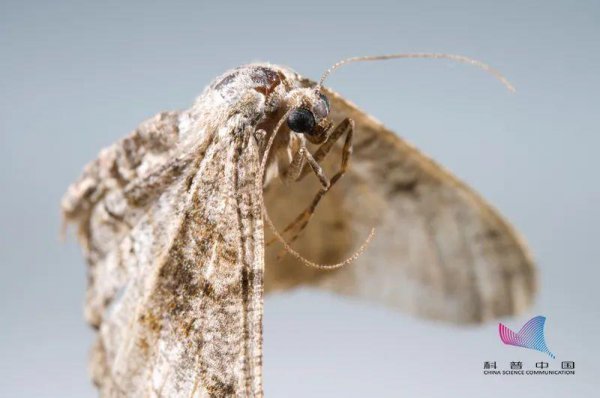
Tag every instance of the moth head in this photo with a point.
(308, 115)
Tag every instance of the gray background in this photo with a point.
(76, 76)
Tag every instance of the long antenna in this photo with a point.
(452, 57)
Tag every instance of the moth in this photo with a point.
(171, 222)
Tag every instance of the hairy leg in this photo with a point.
(346, 126)
(293, 170)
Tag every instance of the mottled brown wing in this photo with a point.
(177, 295)
(112, 194)
(440, 251)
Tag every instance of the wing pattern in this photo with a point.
(176, 265)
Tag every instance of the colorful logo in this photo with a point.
(530, 336)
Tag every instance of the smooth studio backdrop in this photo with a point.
(77, 75)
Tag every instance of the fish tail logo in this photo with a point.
(530, 336)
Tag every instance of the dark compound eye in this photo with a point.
(301, 120)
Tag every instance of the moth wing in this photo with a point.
(113, 193)
(148, 146)
(440, 251)
(177, 296)
(101, 186)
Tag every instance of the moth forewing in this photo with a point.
(189, 321)
(176, 274)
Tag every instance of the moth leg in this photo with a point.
(347, 126)
(318, 170)
(291, 172)
(295, 167)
